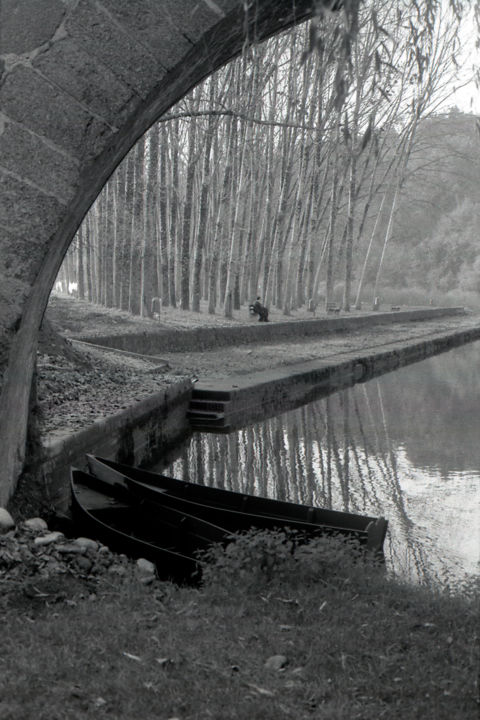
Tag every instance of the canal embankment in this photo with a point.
(260, 379)
(223, 405)
(137, 435)
(155, 342)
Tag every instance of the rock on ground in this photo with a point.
(41, 563)
(6, 521)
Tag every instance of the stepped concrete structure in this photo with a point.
(80, 82)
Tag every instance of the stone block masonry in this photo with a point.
(138, 435)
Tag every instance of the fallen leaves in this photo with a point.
(130, 656)
(260, 690)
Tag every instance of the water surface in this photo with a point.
(404, 445)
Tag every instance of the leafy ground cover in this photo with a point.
(270, 634)
(77, 384)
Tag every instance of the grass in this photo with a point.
(357, 644)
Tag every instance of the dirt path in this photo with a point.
(223, 362)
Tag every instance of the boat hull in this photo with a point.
(237, 511)
(170, 538)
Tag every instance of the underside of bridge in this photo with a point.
(80, 82)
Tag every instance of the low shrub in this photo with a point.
(261, 557)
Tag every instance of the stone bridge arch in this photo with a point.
(80, 82)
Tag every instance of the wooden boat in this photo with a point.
(126, 523)
(236, 511)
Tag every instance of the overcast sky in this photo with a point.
(468, 98)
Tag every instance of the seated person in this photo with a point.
(258, 309)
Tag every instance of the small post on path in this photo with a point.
(156, 307)
(229, 306)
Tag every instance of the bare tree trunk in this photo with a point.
(132, 306)
(232, 270)
(115, 232)
(174, 146)
(88, 242)
(126, 168)
(80, 265)
(333, 215)
(144, 143)
(187, 220)
(97, 278)
(385, 243)
(163, 266)
(202, 224)
(151, 283)
(347, 288)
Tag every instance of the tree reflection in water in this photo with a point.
(404, 446)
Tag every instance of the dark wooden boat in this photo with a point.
(236, 511)
(128, 524)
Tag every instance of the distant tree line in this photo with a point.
(435, 241)
(281, 175)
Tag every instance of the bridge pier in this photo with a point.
(80, 82)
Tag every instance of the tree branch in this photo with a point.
(233, 113)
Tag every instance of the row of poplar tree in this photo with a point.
(278, 176)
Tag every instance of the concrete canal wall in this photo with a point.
(206, 338)
(138, 435)
(244, 399)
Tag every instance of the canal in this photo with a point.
(405, 445)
